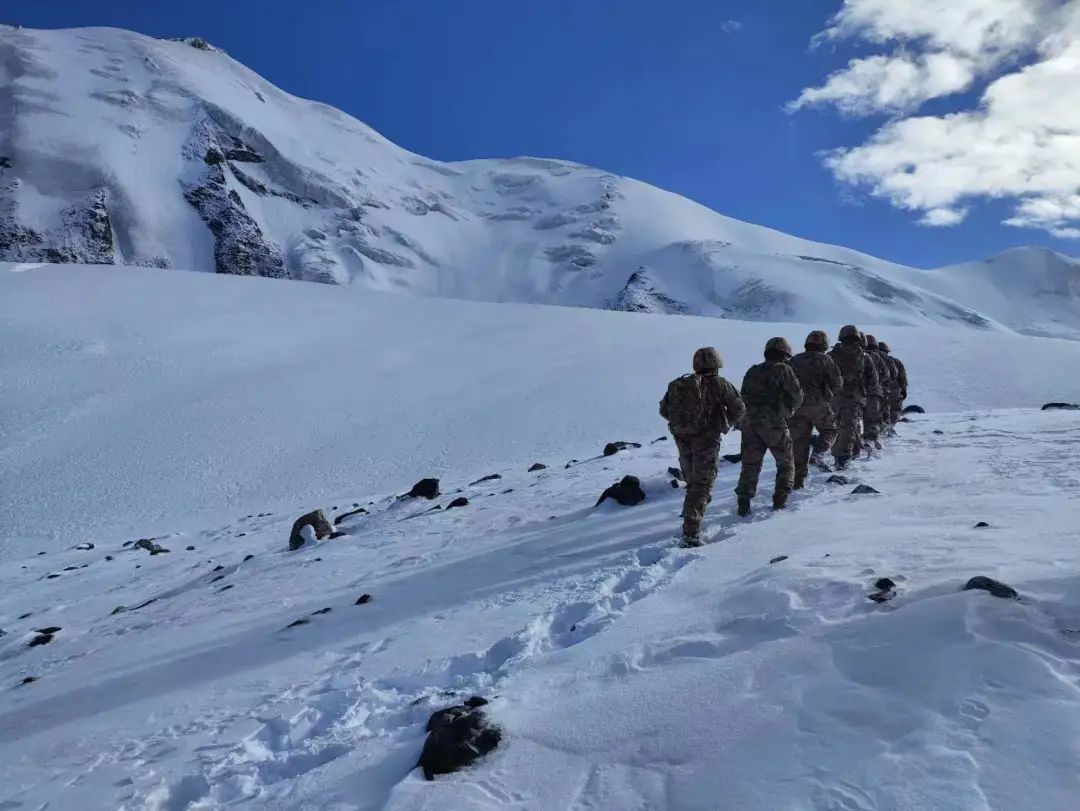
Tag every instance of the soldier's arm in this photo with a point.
(870, 377)
(733, 404)
(793, 389)
(836, 379)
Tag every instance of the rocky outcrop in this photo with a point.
(315, 519)
(457, 737)
(643, 294)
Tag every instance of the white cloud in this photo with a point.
(1020, 142)
(731, 26)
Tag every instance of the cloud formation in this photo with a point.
(1020, 141)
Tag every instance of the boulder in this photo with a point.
(981, 525)
(864, 489)
(734, 458)
(778, 559)
(995, 587)
(613, 448)
(363, 599)
(248, 557)
(318, 523)
(538, 466)
(41, 639)
(457, 737)
(627, 492)
(884, 590)
(836, 478)
(350, 514)
(150, 545)
(460, 501)
(913, 409)
(425, 488)
(1061, 407)
(489, 478)
(937, 431)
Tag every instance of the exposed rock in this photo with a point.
(643, 293)
(937, 431)
(864, 489)
(613, 448)
(538, 466)
(363, 599)
(676, 473)
(314, 519)
(335, 535)
(981, 524)
(674, 484)
(216, 579)
(995, 587)
(460, 501)
(41, 639)
(457, 736)
(190, 548)
(218, 568)
(1061, 406)
(84, 547)
(297, 623)
(778, 559)
(151, 546)
(51, 576)
(884, 590)
(321, 611)
(425, 488)
(108, 557)
(628, 492)
(248, 557)
(28, 680)
(659, 439)
(225, 588)
(734, 458)
(489, 478)
(914, 409)
(350, 514)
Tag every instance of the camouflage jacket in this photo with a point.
(724, 406)
(771, 392)
(859, 372)
(818, 376)
(901, 377)
(886, 378)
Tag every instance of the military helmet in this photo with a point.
(848, 333)
(862, 339)
(817, 340)
(778, 345)
(707, 359)
(884, 347)
(871, 342)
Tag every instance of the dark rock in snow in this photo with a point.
(51, 576)
(489, 478)
(151, 546)
(995, 587)
(350, 514)
(613, 448)
(734, 458)
(219, 577)
(659, 439)
(457, 737)
(864, 489)
(218, 568)
(120, 609)
(779, 559)
(297, 623)
(28, 680)
(70, 568)
(27, 615)
(83, 547)
(674, 484)
(108, 557)
(248, 557)
(321, 611)
(937, 431)
(336, 535)
(676, 473)
(363, 599)
(981, 524)
(314, 519)
(225, 588)
(1061, 406)
(460, 501)
(913, 409)
(425, 488)
(537, 466)
(507, 491)
(191, 549)
(42, 639)
(628, 492)
(836, 478)
(884, 583)
(45, 553)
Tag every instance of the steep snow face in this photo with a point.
(145, 401)
(120, 148)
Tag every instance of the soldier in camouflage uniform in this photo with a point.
(896, 405)
(700, 408)
(860, 378)
(772, 395)
(820, 380)
(876, 401)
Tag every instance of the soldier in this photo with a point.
(772, 395)
(700, 408)
(896, 406)
(820, 380)
(876, 408)
(860, 377)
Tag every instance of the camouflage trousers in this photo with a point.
(698, 460)
(848, 418)
(896, 408)
(872, 416)
(802, 427)
(757, 439)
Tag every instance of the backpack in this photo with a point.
(686, 405)
(763, 389)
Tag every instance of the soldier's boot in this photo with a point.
(691, 533)
(817, 459)
(779, 501)
(877, 444)
(744, 506)
(800, 482)
(842, 462)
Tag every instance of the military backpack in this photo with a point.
(687, 405)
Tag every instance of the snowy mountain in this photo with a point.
(754, 674)
(120, 148)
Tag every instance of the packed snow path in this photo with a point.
(626, 672)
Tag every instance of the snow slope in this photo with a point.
(138, 401)
(626, 673)
(120, 148)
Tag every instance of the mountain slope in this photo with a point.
(120, 148)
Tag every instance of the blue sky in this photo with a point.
(685, 94)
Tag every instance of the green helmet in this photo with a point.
(884, 347)
(817, 339)
(871, 342)
(778, 345)
(707, 359)
(849, 333)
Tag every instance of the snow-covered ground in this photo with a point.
(625, 672)
(126, 149)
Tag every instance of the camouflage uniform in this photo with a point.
(698, 451)
(820, 380)
(899, 393)
(772, 395)
(860, 378)
(876, 408)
